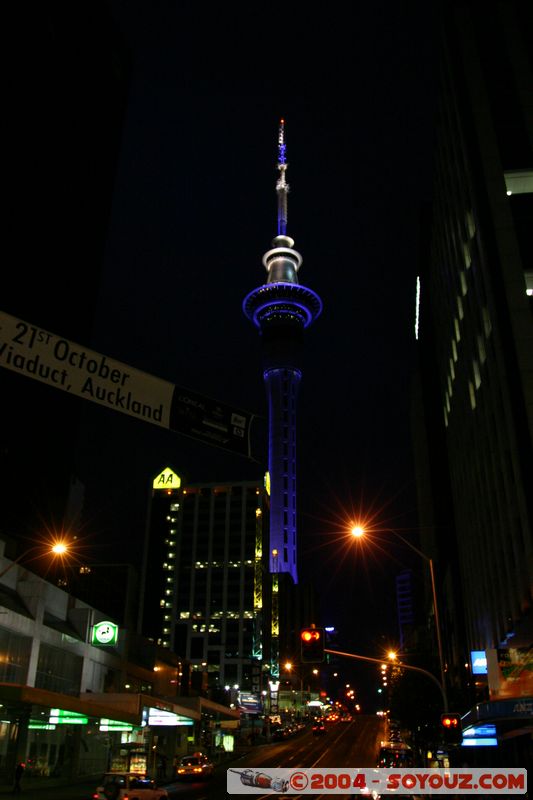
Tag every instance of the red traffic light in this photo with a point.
(452, 728)
(312, 645)
(312, 635)
(450, 721)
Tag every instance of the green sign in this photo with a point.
(114, 725)
(105, 634)
(37, 725)
(60, 717)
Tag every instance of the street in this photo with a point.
(353, 744)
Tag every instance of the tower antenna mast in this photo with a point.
(282, 187)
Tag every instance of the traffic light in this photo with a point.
(452, 728)
(312, 645)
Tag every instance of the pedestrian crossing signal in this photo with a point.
(312, 645)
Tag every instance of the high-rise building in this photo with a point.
(207, 540)
(281, 309)
(476, 363)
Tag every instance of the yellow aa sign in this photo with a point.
(167, 480)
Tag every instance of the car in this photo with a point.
(130, 785)
(395, 754)
(279, 734)
(319, 727)
(196, 766)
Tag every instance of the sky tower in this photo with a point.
(282, 308)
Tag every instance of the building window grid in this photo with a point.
(481, 349)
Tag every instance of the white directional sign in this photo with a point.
(56, 361)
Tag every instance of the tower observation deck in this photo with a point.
(281, 309)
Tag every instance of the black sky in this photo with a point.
(194, 210)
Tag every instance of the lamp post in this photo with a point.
(58, 548)
(289, 666)
(359, 531)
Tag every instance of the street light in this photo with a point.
(358, 531)
(58, 548)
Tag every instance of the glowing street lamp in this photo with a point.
(357, 531)
(58, 548)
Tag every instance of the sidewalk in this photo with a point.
(55, 788)
(51, 789)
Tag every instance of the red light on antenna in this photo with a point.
(282, 121)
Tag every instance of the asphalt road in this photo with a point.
(353, 745)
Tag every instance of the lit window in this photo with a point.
(452, 369)
(460, 310)
(467, 254)
(472, 393)
(464, 285)
(457, 329)
(477, 374)
(529, 283)
(519, 181)
(454, 350)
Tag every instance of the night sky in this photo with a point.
(193, 211)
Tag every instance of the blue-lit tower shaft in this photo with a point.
(281, 309)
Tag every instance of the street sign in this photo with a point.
(72, 368)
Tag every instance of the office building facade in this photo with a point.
(475, 339)
(207, 542)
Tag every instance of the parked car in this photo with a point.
(131, 785)
(196, 766)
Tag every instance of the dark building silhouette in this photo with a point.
(474, 399)
(65, 101)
